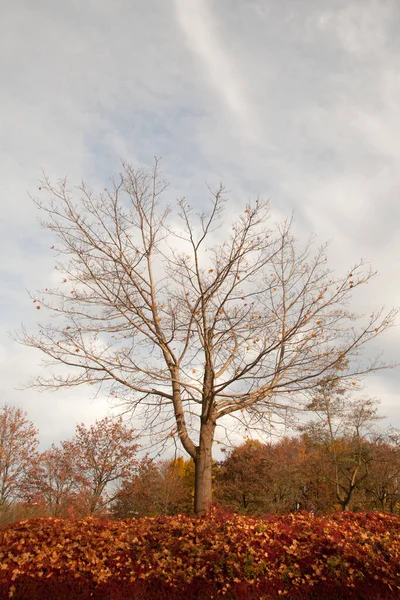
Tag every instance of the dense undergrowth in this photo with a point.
(348, 555)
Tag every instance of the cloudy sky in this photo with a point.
(295, 101)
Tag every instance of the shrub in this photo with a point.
(348, 555)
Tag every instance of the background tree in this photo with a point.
(342, 430)
(157, 488)
(290, 481)
(189, 325)
(137, 495)
(244, 478)
(57, 479)
(177, 486)
(278, 477)
(102, 455)
(317, 490)
(382, 486)
(18, 456)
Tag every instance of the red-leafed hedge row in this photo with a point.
(345, 556)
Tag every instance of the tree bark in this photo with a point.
(203, 469)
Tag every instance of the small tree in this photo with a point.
(244, 478)
(189, 324)
(102, 455)
(18, 455)
(176, 489)
(57, 479)
(382, 486)
(341, 431)
(267, 478)
(157, 488)
(138, 495)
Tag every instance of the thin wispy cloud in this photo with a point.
(200, 31)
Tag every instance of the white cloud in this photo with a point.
(219, 68)
(361, 27)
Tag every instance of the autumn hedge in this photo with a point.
(348, 555)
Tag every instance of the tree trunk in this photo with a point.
(203, 469)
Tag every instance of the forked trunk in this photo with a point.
(203, 469)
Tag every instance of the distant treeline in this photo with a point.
(338, 461)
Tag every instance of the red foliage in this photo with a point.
(18, 456)
(103, 453)
(352, 556)
(74, 480)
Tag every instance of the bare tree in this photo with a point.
(187, 321)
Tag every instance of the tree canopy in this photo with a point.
(188, 320)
